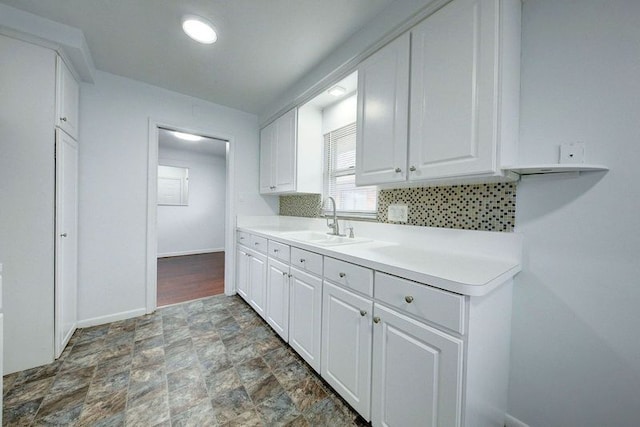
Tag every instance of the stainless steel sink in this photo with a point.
(323, 239)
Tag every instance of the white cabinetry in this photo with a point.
(305, 316)
(411, 356)
(346, 345)
(290, 153)
(67, 99)
(464, 97)
(383, 109)
(251, 275)
(277, 308)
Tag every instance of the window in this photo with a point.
(340, 175)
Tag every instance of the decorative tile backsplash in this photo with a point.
(308, 205)
(487, 207)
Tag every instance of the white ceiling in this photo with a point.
(206, 146)
(263, 47)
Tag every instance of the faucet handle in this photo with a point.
(351, 236)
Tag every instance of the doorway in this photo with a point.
(188, 200)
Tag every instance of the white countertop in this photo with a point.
(466, 262)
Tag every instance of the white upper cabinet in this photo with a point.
(383, 103)
(462, 97)
(291, 153)
(464, 90)
(67, 99)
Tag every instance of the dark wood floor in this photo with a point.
(189, 277)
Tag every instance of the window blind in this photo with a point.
(340, 179)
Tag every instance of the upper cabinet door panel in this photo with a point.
(453, 84)
(383, 103)
(67, 99)
(285, 173)
(267, 161)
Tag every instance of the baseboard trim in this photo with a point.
(510, 421)
(194, 252)
(95, 321)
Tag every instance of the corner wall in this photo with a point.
(575, 348)
(114, 123)
(199, 226)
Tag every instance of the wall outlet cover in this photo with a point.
(572, 152)
(398, 213)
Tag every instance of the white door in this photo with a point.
(453, 80)
(67, 98)
(277, 309)
(66, 258)
(285, 173)
(346, 345)
(267, 159)
(257, 282)
(417, 373)
(305, 316)
(383, 115)
(242, 273)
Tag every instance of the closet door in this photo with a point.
(66, 259)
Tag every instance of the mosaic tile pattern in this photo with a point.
(307, 205)
(488, 207)
(210, 362)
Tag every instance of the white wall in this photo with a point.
(114, 121)
(339, 114)
(27, 177)
(199, 226)
(576, 346)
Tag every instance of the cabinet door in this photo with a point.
(67, 99)
(346, 345)
(277, 309)
(285, 152)
(305, 316)
(383, 104)
(66, 255)
(242, 273)
(453, 100)
(267, 160)
(409, 355)
(258, 282)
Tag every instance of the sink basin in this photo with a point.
(323, 239)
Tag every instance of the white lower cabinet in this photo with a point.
(346, 345)
(417, 373)
(251, 278)
(277, 311)
(305, 316)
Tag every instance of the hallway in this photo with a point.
(190, 277)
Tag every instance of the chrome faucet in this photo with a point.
(335, 227)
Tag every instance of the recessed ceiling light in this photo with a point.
(199, 29)
(337, 91)
(186, 136)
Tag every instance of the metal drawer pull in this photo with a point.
(376, 319)
(398, 170)
(256, 243)
(302, 260)
(275, 251)
(363, 313)
(284, 274)
(342, 274)
(64, 119)
(408, 299)
(290, 275)
(241, 238)
(412, 168)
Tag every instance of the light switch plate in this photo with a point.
(398, 213)
(572, 152)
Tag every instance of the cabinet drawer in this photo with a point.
(423, 301)
(349, 275)
(259, 244)
(243, 237)
(306, 261)
(279, 251)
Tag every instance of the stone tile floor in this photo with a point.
(210, 362)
